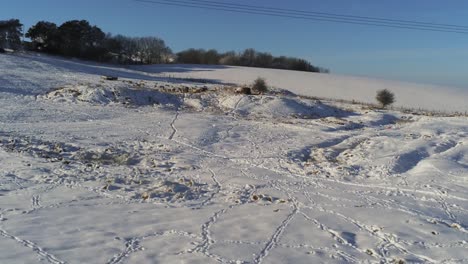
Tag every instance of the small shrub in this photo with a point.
(260, 85)
(385, 97)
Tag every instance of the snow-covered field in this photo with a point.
(411, 95)
(151, 169)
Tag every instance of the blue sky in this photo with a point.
(416, 56)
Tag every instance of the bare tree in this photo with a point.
(151, 50)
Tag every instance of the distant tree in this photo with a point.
(323, 70)
(280, 63)
(152, 50)
(70, 34)
(199, 56)
(11, 33)
(260, 85)
(44, 36)
(114, 47)
(144, 50)
(263, 59)
(3, 34)
(92, 45)
(128, 52)
(113, 44)
(385, 97)
(248, 57)
(191, 56)
(229, 58)
(79, 39)
(211, 57)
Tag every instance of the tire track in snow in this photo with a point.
(386, 239)
(133, 244)
(348, 258)
(351, 184)
(237, 105)
(2, 216)
(334, 235)
(205, 152)
(387, 188)
(18, 181)
(273, 242)
(390, 240)
(394, 205)
(174, 129)
(275, 239)
(213, 194)
(208, 241)
(41, 252)
(443, 202)
(447, 210)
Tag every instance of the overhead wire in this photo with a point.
(375, 19)
(309, 15)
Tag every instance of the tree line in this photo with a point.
(248, 58)
(80, 39)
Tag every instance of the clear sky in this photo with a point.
(417, 56)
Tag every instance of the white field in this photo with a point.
(98, 171)
(409, 95)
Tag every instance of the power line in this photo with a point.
(425, 26)
(324, 15)
(413, 22)
(329, 18)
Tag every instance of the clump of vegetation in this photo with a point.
(385, 97)
(260, 86)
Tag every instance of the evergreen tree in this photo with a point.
(79, 39)
(44, 36)
(11, 32)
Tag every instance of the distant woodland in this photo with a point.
(80, 39)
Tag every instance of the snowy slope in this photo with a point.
(150, 169)
(329, 85)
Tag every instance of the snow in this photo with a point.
(360, 89)
(154, 168)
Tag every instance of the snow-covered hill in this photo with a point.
(154, 168)
(361, 89)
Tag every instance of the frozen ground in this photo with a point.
(150, 169)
